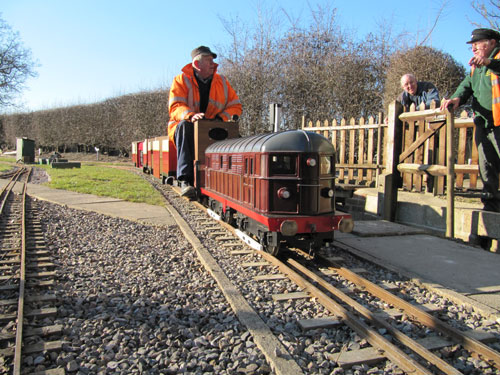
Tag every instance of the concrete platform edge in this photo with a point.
(425, 211)
(430, 285)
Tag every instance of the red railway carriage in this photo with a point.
(279, 187)
(162, 165)
(137, 153)
(155, 157)
(164, 162)
(147, 155)
(168, 159)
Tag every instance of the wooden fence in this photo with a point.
(360, 148)
(414, 142)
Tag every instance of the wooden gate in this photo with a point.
(423, 158)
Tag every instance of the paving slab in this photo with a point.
(428, 212)
(372, 228)
(457, 266)
(491, 300)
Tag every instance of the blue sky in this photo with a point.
(91, 50)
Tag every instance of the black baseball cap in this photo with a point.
(202, 50)
(480, 34)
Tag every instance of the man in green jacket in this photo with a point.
(484, 86)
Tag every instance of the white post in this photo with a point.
(275, 116)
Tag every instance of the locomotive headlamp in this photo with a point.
(311, 162)
(289, 228)
(284, 193)
(327, 193)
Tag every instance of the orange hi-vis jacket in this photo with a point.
(184, 99)
(495, 93)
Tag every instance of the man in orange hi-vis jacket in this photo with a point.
(197, 93)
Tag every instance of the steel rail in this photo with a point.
(401, 337)
(9, 186)
(22, 284)
(264, 338)
(412, 344)
(423, 317)
(391, 351)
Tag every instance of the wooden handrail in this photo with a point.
(436, 170)
(407, 116)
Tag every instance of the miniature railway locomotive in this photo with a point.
(277, 188)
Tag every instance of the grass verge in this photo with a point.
(6, 163)
(104, 181)
(98, 179)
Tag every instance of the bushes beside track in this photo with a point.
(110, 125)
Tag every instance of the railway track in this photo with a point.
(391, 326)
(26, 278)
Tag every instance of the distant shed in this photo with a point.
(25, 150)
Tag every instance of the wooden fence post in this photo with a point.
(450, 172)
(392, 179)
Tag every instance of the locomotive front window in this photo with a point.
(282, 164)
(326, 165)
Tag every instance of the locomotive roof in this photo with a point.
(287, 141)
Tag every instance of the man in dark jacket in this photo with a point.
(417, 92)
(484, 86)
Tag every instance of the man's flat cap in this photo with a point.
(202, 50)
(480, 34)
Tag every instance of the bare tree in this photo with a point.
(251, 63)
(490, 11)
(431, 30)
(16, 64)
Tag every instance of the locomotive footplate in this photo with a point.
(273, 241)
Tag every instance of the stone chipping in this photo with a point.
(134, 299)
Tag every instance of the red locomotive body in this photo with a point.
(279, 187)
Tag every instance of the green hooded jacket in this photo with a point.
(479, 87)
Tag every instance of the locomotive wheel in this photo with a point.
(229, 217)
(273, 250)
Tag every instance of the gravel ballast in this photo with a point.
(134, 299)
